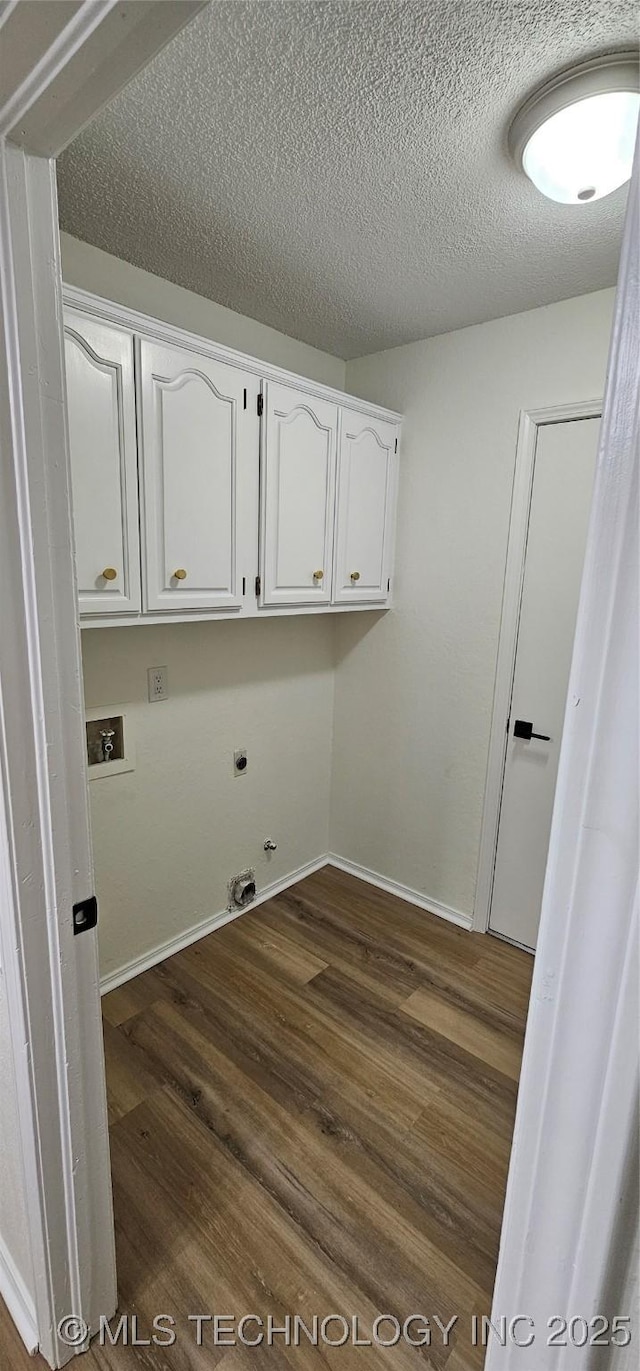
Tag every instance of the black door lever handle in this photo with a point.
(523, 729)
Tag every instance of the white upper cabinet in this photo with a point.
(297, 492)
(365, 510)
(197, 432)
(205, 484)
(102, 441)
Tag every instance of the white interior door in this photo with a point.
(101, 419)
(197, 430)
(564, 469)
(297, 487)
(365, 501)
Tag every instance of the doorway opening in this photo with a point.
(305, 1036)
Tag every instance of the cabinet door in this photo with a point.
(196, 433)
(297, 488)
(365, 508)
(102, 441)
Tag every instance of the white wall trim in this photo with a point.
(111, 312)
(71, 39)
(529, 423)
(203, 928)
(88, 60)
(18, 1300)
(214, 921)
(404, 892)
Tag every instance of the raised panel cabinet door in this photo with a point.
(297, 489)
(196, 433)
(365, 508)
(101, 422)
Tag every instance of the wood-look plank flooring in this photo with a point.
(311, 1113)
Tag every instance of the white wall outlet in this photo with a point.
(240, 761)
(157, 683)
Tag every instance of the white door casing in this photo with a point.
(564, 466)
(197, 430)
(51, 976)
(577, 1117)
(66, 68)
(297, 490)
(528, 425)
(365, 506)
(101, 415)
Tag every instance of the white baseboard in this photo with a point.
(18, 1300)
(200, 930)
(404, 892)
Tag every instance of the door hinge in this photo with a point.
(85, 915)
(258, 585)
(260, 404)
(396, 445)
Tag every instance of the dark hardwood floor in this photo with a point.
(311, 1114)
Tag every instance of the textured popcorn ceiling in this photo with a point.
(339, 170)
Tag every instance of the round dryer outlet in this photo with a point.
(242, 889)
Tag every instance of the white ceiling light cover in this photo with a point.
(575, 138)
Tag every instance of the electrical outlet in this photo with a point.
(240, 761)
(157, 683)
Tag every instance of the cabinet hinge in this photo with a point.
(260, 405)
(258, 585)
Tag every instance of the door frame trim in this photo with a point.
(530, 421)
(50, 977)
(567, 1217)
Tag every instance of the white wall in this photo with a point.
(91, 269)
(414, 689)
(168, 836)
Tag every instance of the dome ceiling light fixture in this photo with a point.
(575, 137)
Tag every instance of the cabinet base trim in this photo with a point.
(219, 616)
(404, 892)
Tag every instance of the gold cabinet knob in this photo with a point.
(318, 575)
(180, 574)
(109, 573)
(355, 575)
